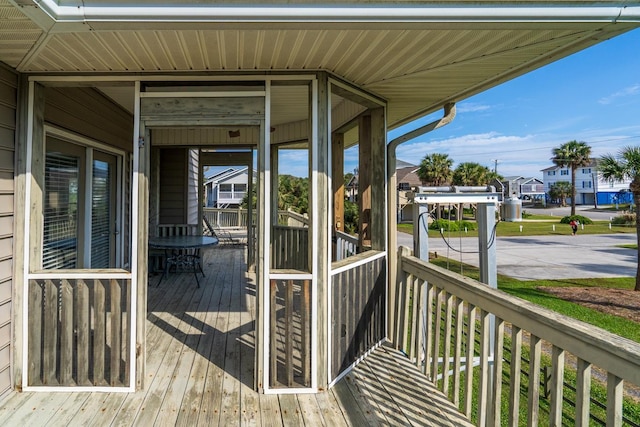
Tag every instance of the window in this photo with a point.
(80, 207)
(586, 184)
(551, 173)
(60, 244)
(564, 172)
(585, 171)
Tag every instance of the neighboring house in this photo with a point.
(227, 188)
(591, 188)
(106, 106)
(408, 180)
(522, 187)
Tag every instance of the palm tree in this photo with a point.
(560, 190)
(471, 173)
(573, 154)
(435, 169)
(626, 166)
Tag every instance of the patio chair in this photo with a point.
(224, 237)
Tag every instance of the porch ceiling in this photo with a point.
(416, 61)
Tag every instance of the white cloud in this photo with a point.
(471, 107)
(628, 91)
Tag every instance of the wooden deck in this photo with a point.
(200, 360)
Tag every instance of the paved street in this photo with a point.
(546, 257)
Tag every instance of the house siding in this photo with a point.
(173, 181)
(8, 102)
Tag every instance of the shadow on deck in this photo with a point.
(199, 371)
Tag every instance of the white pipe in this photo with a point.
(508, 13)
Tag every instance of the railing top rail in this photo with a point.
(614, 353)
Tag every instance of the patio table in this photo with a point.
(182, 251)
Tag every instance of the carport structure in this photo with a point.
(115, 103)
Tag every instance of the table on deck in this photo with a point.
(177, 251)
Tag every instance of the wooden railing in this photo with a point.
(290, 333)
(227, 218)
(346, 245)
(79, 332)
(447, 324)
(290, 248)
(358, 315)
(237, 218)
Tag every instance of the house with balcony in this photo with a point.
(521, 187)
(226, 188)
(591, 188)
(109, 113)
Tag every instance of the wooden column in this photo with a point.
(378, 158)
(322, 238)
(37, 180)
(337, 179)
(364, 181)
(262, 270)
(251, 258)
(143, 253)
(20, 207)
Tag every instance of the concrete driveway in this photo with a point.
(547, 257)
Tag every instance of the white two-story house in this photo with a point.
(591, 188)
(226, 188)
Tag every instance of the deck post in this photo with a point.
(337, 180)
(364, 181)
(321, 227)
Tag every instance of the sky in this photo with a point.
(591, 96)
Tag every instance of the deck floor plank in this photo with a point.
(192, 400)
(200, 366)
(195, 318)
(212, 395)
(249, 399)
(330, 409)
(230, 409)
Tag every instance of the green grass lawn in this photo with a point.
(526, 228)
(533, 291)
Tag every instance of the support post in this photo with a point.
(421, 231)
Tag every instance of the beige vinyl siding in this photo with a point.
(87, 112)
(8, 97)
(173, 182)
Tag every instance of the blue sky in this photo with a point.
(591, 96)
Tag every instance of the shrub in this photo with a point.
(624, 219)
(448, 225)
(581, 219)
(526, 214)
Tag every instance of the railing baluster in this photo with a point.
(557, 383)
(614, 400)
(288, 333)
(516, 369)
(458, 351)
(533, 399)
(447, 343)
(99, 333)
(583, 393)
(468, 379)
(428, 345)
(66, 333)
(405, 324)
(273, 332)
(498, 354)
(485, 373)
(50, 333)
(116, 330)
(419, 290)
(415, 315)
(83, 326)
(436, 335)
